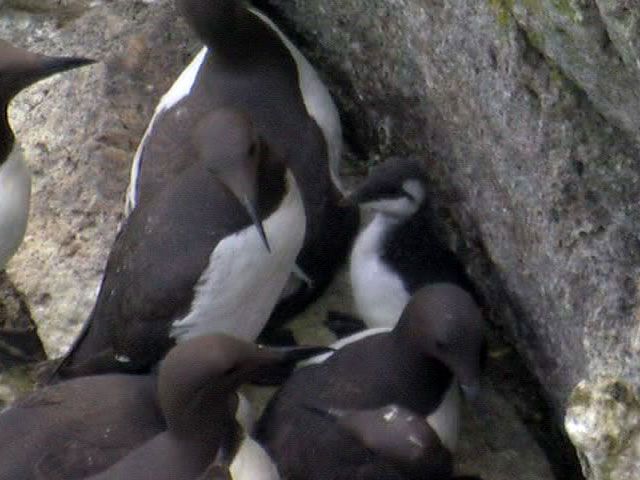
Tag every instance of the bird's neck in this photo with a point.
(272, 188)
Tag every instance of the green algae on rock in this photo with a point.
(603, 421)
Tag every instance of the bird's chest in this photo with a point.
(242, 282)
(378, 291)
(15, 191)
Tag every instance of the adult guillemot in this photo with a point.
(19, 69)
(83, 426)
(191, 259)
(197, 387)
(248, 63)
(435, 347)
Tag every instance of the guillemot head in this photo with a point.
(20, 68)
(443, 321)
(398, 435)
(227, 143)
(396, 188)
(198, 377)
(212, 20)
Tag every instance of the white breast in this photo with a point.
(253, 463)
(238, 290)
(180, 89)
(337, 345)
(317, 100)
(378, 292)
(15, 194)
(445, 420)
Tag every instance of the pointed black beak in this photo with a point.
(332, 414)
(253, 213)
(53, 65)
(275, 364)
(298, 353)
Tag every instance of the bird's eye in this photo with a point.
(253, 149)
(440, 345)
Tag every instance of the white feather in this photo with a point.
(379, 294)
(317, 100)
(242, 283)
(179, 90)
(245, 415)
(15, 194)
(253, 463)
(337, 345)
(445, 420)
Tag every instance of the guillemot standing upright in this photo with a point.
(248, 63)
(398, 252)
(435, 347)
(209, 252)
(19, 69)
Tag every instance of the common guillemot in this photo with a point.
(82, 426)
(436, 347)
(247, 62)
(191, 259)
(197, 387)
(19, 69)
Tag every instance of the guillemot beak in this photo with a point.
(242, 182)
(249, 206)
(20, 68)
(330, 413)
(297, 353)
(277, 363)
(53, 65)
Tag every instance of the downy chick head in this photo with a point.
(396, 188)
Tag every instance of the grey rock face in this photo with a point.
(603, 420)
(526, 112)
(546, 185)
(78, 132)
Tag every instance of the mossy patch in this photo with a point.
(564, 8)
(503, 10)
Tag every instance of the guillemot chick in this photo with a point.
(197, 387)
(248, 63)
(19, 69)
(398, 251)
(419, 365)
(210, 252)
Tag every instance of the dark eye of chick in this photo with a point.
(253, 149)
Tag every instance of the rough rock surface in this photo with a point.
(526, 112)
(19, 339)
(78, 131)
(603, 420)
